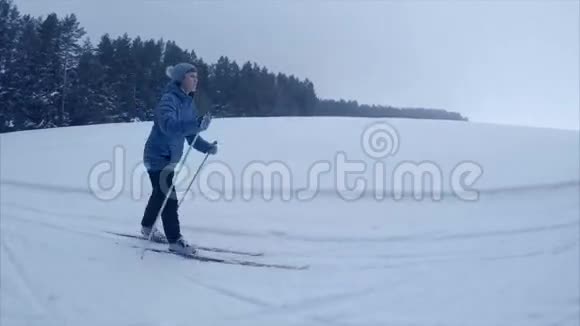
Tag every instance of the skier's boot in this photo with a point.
(182, 247)
(157, 236)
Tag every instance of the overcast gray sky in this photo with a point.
(510, 62)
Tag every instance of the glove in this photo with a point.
(203, 122)
(213, 148)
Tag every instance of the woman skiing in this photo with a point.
(175, 120)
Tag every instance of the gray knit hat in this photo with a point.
(177, 72)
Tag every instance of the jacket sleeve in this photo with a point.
(201, 144)
(167, 119)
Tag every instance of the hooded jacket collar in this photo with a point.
(177, 91)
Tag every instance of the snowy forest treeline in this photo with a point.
(52, 75)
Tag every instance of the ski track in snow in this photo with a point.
(433, 236)
(425, 257)
(291, 308)
(306, 308)
(430, 236)
(10, 262)
(41, 311)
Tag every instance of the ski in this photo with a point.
(202, 248)
(204, 258)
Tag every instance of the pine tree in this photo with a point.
(69, 52)
(174, 54)
(105, 54)
(10, 27)
(89, 101)
(223, 80)
(204, 101)
(21, 83)
(153, 76)
(124, 78)
(47, 74)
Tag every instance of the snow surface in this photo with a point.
(511, 257)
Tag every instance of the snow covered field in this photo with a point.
(509, 256)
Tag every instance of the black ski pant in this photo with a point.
(162, 181)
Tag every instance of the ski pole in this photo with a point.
(168, 194)
(194, 176)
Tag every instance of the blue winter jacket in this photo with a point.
(175, 120)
